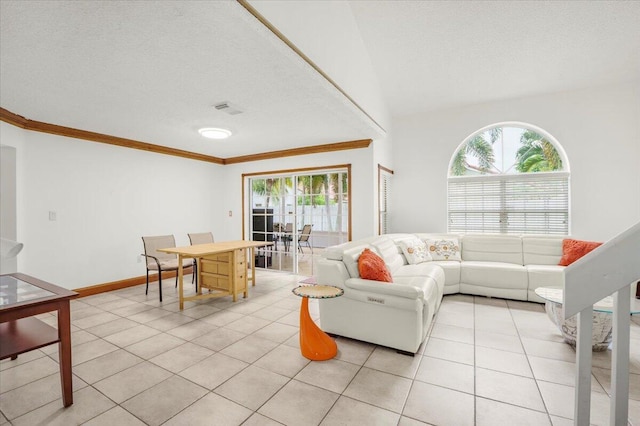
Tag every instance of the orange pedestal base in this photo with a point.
(315, 344)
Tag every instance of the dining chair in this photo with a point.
(199, 238)
(304, 237)
(160, 261)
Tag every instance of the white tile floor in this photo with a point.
(137, 361)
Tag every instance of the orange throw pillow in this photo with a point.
(573, 250)
(372, 267)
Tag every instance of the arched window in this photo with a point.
(510, 178)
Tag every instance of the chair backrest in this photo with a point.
(152, 244)
(304, 234)
(288, 228)
(201, 238)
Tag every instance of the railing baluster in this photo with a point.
(620, 358)
(582, 409)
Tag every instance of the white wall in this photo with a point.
(599, 129)
(363, 202)
(105, 198)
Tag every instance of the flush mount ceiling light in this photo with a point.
(214, 133)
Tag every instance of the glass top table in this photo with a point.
(22, 297)
(13, 290)
(602, 326)
(556, 295)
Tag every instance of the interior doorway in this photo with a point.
(301, 212)
(8, 209)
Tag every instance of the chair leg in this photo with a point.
(195, 274)
(160, 283)
(176, 279)
(147, 289)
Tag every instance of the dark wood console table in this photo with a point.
(21, 298)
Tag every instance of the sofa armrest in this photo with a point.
(377, 287)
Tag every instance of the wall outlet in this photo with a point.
(230, 213)
(52, 216)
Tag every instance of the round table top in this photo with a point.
(318, 291)
(556, 295)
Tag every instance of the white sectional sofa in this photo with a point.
(399, 314)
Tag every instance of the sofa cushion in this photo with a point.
(372, 267)
(493, 248)
(417, 270)
(388, 251)
(409, 288)
(414, 250)
(543, 276)
(573, 250)
(427, 285)
(445, 249)
(541, 250)
(426, 270)
(494, 274)
(451, 271)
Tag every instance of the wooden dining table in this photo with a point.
(221, 268)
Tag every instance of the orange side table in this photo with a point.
(315, 344)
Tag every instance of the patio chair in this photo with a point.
(287, 237)
(304, 238)
(199, 238)
(160, 261)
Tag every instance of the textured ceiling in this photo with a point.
(152, 71)
(438, 54)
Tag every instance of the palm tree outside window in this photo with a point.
(281, 203)
(511, 179)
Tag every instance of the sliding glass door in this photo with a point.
(301, 213)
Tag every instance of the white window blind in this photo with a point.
(532, 203)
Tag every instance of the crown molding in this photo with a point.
(54, 129)
(14, 119)
(39, 126)
(305, 150)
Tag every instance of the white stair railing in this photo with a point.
(610, 269)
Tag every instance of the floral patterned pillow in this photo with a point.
(446, 249)
(415, 250)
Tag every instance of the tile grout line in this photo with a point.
(526, 354)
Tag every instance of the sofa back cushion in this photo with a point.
(389, 252)
(336, 252)
(492, 248)
(350, 256)
(541, 250)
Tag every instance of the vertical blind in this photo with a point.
(531, 203)
(383, 200)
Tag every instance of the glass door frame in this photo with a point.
(247, 204)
